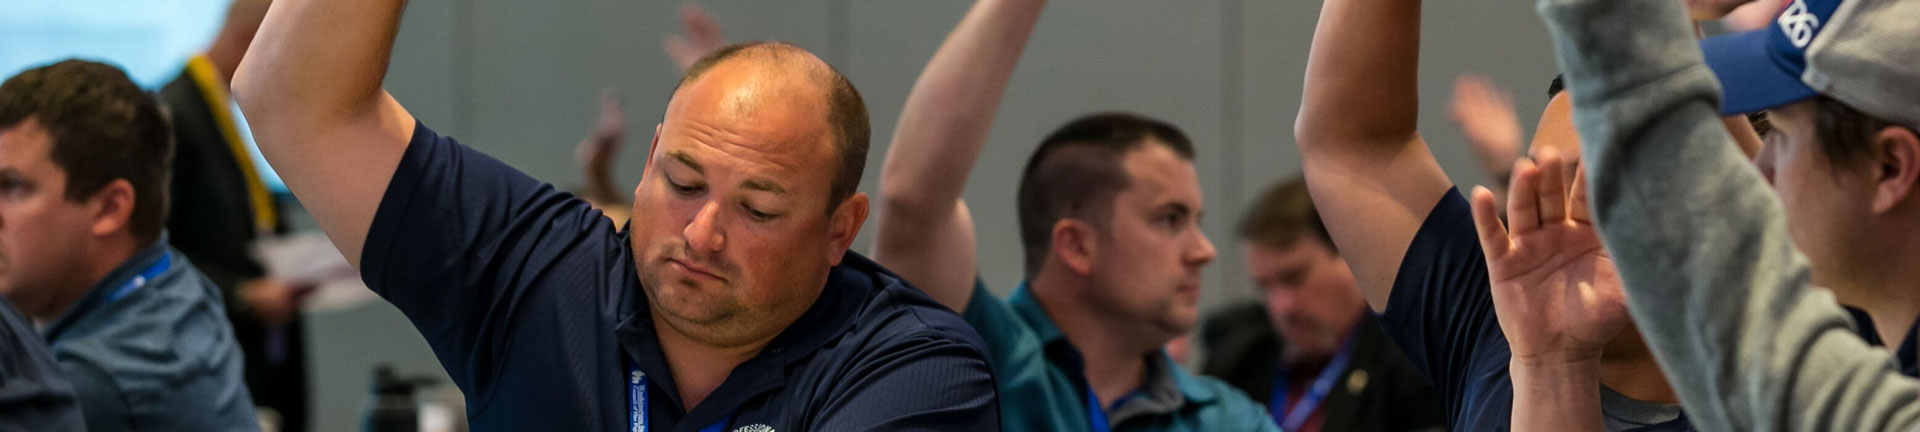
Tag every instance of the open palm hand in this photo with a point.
(1554, 287)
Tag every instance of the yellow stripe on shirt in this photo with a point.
(215, 93)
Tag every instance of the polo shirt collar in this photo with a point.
(848, 287)
(101, 289)
(1164, 377)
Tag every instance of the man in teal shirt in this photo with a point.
(1109, 215)
(132, 324)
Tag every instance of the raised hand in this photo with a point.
(1554, 287)
(1485, 115)
(702, 35)
(597, 153)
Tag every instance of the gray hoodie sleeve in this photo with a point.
(1713, 281)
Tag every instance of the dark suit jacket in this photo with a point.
(211, 221)
(1379, 391)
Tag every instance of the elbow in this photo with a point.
(898, 196)
(1324, 134)
(1310, 134)
(254, 95)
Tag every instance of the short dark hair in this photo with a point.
(103, 128)
(1845, 134)
(846, 111)
(1282, 216)
(1078, 170)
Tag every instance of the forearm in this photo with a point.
(925, 232)
(950, 111)
(1701, 244)
(1362, 76)
(310, 86)
(1556, 396)
(315, 61)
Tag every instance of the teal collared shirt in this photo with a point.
(149, 348)
(1043, 387)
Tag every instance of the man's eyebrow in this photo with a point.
(686, 159)
(761, 184)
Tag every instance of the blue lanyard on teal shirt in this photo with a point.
(1297, 417)
(637, 403)
(147, 275)
(1096, 417)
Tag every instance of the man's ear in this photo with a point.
(647, 169)
(1897, 156)
(112, 208)
(1076, 244)
(844, 225)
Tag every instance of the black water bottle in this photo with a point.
(392, 408)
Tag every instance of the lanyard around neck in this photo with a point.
(637, 403)
(1316, 393)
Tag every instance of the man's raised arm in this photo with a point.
(1372, 178)
(310, 87)
(925, 231)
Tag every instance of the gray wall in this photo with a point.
(518, 79)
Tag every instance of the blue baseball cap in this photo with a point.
(1865, 53)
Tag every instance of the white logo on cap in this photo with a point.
(1798, 23)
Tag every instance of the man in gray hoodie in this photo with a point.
(1709, 263)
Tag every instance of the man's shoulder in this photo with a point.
(1444, 262)
(174, 325)
(902, 314)
(1448, 225)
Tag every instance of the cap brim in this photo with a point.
(1752, 77)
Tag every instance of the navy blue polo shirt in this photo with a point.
(1441, 314)
(33, 396)
(530, 300)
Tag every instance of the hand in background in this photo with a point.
(598, 152)
(701, 35)
(1485, 115)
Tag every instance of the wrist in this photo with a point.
(1538, 376)
(1555, 370)
(1556, 393)
(1557, 359)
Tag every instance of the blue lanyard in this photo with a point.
(152, 271)
(1096, 417)
(637, 403)
(1309, 402)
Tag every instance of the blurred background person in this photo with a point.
(140, 332)
(1310, 350)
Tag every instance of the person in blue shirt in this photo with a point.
(140, 333)
(1409, 237)
(730, 302)
(33, 396)
(1109, 213)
